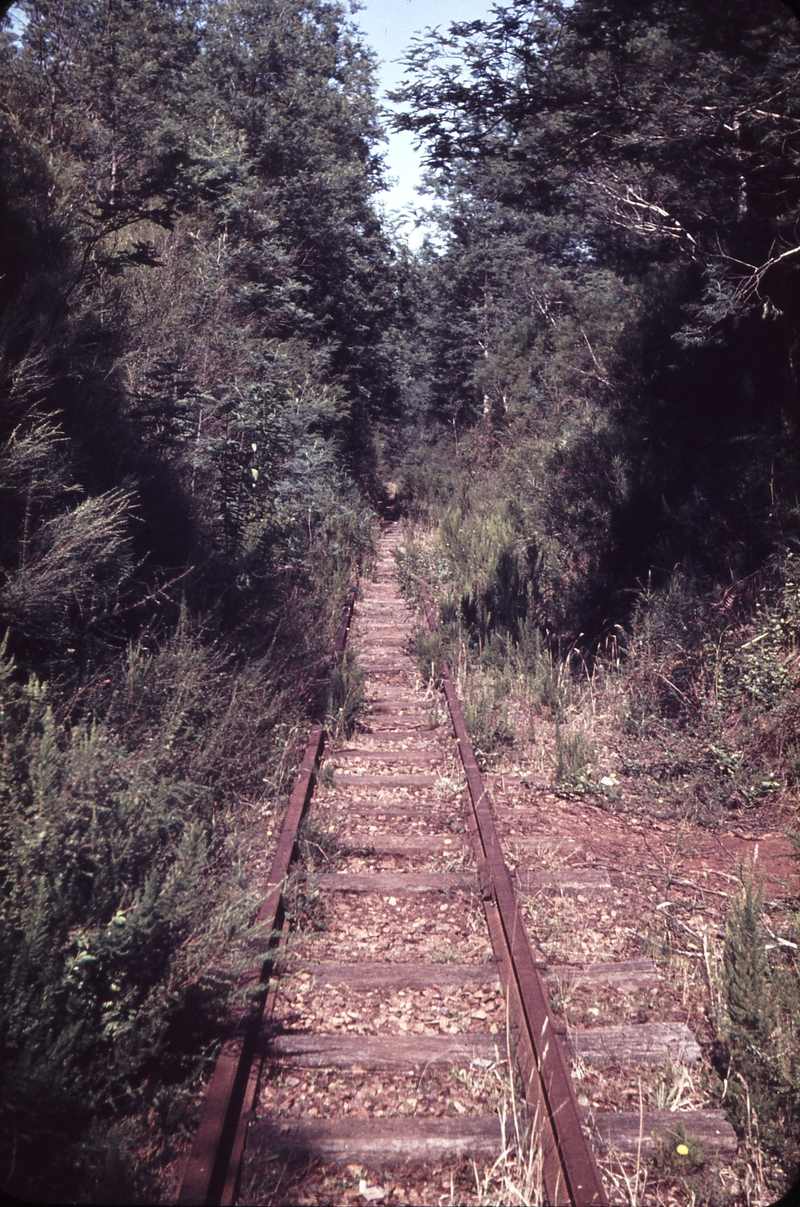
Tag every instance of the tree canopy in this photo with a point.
(615, 298)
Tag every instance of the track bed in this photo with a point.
(390, 1062)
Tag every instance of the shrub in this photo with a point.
(105, 994)
(762, 1006)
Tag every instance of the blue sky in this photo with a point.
(389, 26)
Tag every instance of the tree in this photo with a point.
(195, 295)
(631, 172)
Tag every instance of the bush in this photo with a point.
(105, 991)
(761, 996)
(118, 891)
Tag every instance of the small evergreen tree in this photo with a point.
(746, 969)
(760, 1030)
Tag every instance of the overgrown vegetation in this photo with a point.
(760, 1062)
(603, 468)
(584, 387)
(195, 293)
(119, 878)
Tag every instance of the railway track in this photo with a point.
(404, 1030)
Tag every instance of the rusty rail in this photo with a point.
(571, 1175)
(210, 1174)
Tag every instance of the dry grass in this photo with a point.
(515, 1178)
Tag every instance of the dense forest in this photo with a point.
(217, 364)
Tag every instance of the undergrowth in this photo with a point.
(698, 687)
(124, 912)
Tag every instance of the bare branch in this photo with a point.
(748, 287)
(632, 211)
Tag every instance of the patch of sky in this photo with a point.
(389, 26)
(17, 19)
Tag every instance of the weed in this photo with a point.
(574, 753)
(447, 955)
(677, 1154)
(676, 1089)
(304, 903)
(488, 723)
(792, 758)
(446, 788)
(345, 695)
(516, 1176)
(111, 870)
(317, 846)
(428, 652)
(561, 995)
(544, 679)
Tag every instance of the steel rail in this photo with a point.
(211, 1171)
(571, 1175)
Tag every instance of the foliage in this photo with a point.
(106, 867)
(124, 921)
(607, 314)
(225, 332)
(762, 1000)
(605, 411)
(195, 293)
(710, 683)
(210, 356)
(345, 695)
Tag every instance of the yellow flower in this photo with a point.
(682, 1149)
